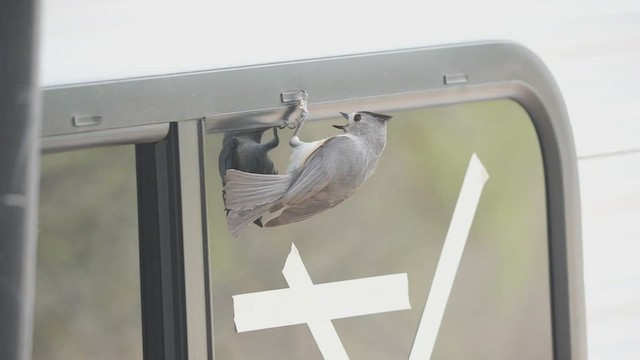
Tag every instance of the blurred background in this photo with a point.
(592, 48)
(87, 281)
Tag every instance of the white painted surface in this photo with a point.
(611, 225)
(591, 46)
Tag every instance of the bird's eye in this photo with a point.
(357, 117)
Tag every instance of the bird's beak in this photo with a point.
(341, 127)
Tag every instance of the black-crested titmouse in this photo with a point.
(321, 174)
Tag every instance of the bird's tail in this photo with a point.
(248, 196)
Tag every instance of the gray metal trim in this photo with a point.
(19, 174)
(174, 251)
(120, 136)
(195, 248)
(250, 97)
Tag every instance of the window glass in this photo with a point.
(396, 223)
(88, 284)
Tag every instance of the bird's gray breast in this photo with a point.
(346, 163)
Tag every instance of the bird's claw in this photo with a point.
(303, 112)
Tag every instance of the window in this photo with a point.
(515, 290)
(397, 223)
(88, 283)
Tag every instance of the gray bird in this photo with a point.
(321, 174)
(244, 151)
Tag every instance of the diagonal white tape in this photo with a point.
(445, 274)
(322, 330)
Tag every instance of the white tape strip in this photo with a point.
(447, 268)
(336, 300)
(317, 305)
(322, 330)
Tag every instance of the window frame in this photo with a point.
(168, 116)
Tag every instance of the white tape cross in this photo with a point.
(454, 244)
(322, 330)
(317, 305)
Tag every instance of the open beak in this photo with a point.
(341, 127)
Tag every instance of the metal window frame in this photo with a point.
(147, 109)
(173, 237)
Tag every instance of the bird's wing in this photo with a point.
(315, 175)
(300, 212)
(245, 190)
